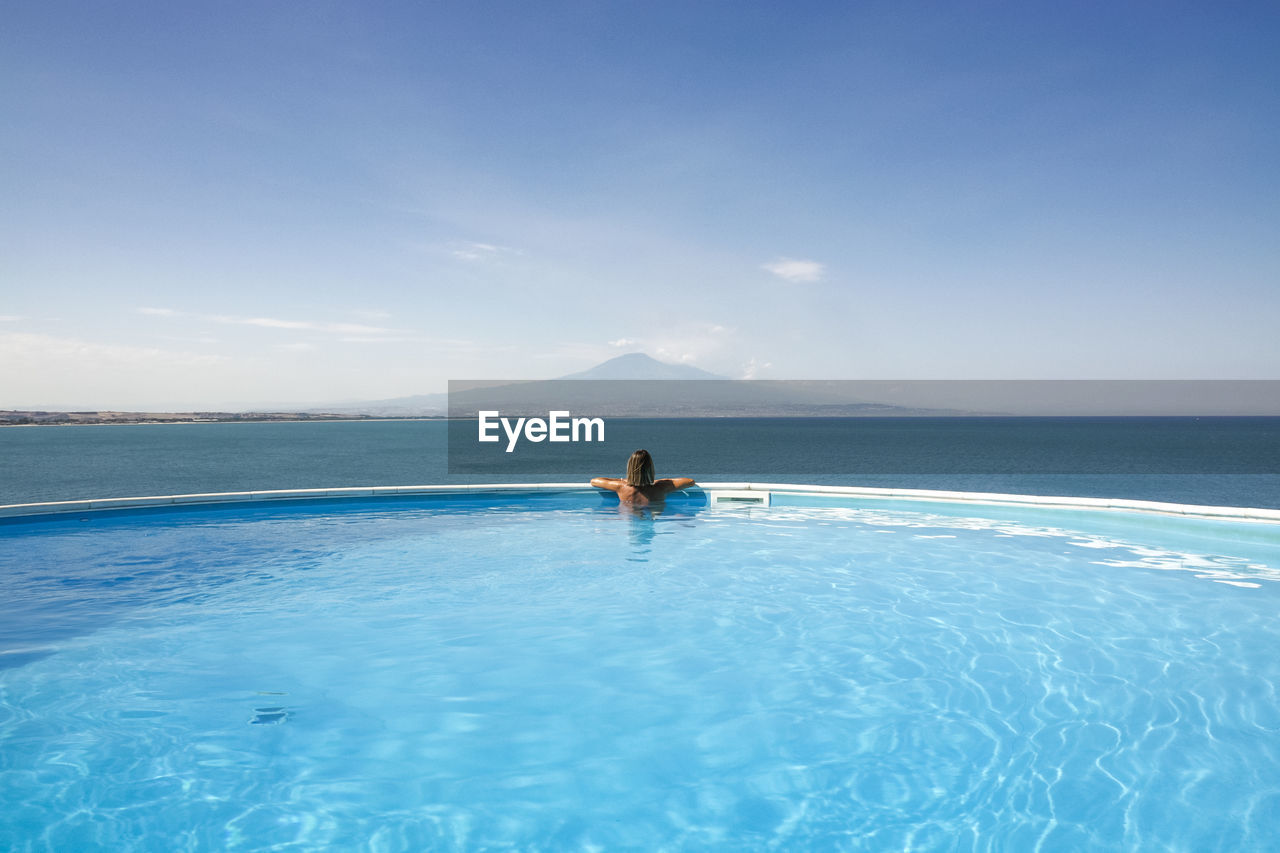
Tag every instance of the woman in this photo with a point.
(640, 489)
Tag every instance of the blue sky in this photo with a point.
(217, 205)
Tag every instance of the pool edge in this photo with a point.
(1253, 514)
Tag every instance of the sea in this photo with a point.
(1224, 461)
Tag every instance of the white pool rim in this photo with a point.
(717, 494)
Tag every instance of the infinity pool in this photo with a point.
(557, 674)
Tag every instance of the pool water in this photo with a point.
(561, 674)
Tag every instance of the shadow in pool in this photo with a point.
(645, 523)
(69, 577)
(57, 584)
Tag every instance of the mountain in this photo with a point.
(663, 398)
(636, 385)
(637, 365)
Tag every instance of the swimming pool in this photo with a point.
(545, 671)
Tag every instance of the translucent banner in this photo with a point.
(574, 429)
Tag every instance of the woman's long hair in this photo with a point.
(640, 469)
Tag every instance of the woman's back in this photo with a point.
(640, 488)
(644, 495)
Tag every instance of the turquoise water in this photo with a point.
(561, 674)
(1224, 461)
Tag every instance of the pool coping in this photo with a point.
(739, 492)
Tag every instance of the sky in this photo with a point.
(232, 205)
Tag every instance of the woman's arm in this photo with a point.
(610, 483)
(675, 484)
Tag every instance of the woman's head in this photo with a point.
(640, 469)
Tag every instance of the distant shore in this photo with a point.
(42, 418)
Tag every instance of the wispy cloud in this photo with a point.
(295, 347)
(357, 330)
(198, 339)
(795, 270)
(753, 368)
(354, 329)
(669, 355)
(623, 342)
(470, 251)
(11, 318)
(54, 371)
(391, 339)
(37, 348)
(305, 325)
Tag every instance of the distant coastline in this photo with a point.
(20, 418)
(43, 418)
